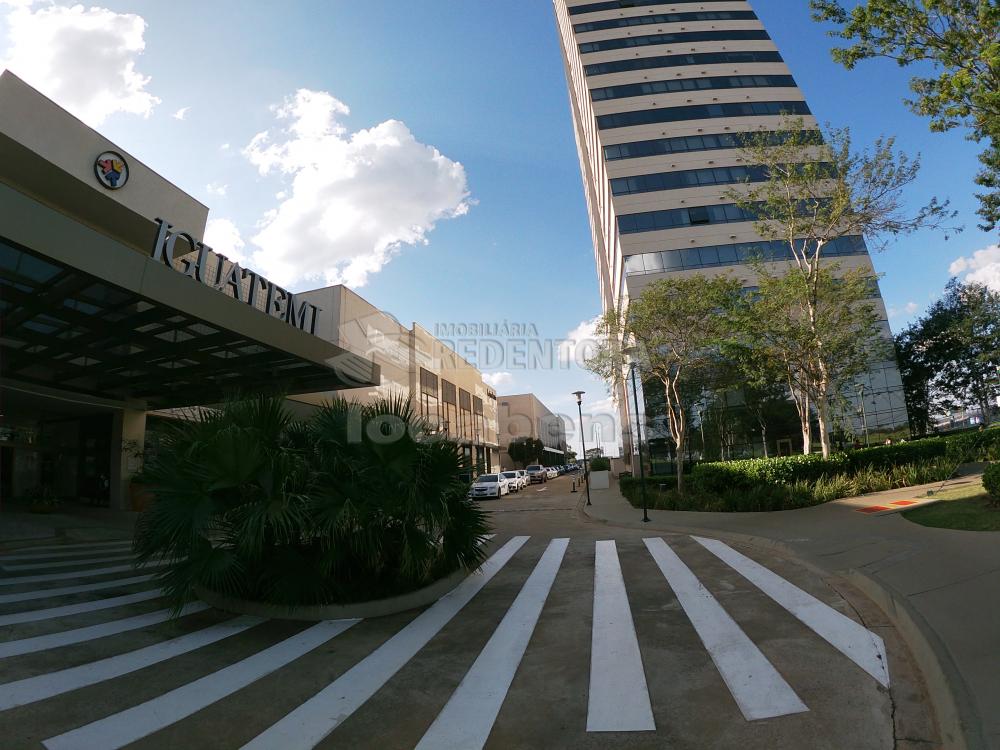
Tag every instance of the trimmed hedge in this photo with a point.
(991, 481)
(722, 476)
(975, 446)
(600, 464)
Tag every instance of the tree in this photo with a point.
(673, 330)
(961, 40)
(525, 450)
(820, 331)
(593, 453)
(815, 195)
(916, 374)
(958, 343)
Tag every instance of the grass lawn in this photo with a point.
(962, 508)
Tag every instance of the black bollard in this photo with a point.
(574, 486)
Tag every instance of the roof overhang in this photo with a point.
(84, 313)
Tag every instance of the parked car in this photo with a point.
(537, 473)
(490, 485)
(513, 480)
(552, 472)
(525, 480)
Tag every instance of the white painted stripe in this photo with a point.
(17, 580)
(44, 686)
(34, 615)
(26, 596)
(123, 728)
(618, 699)
(59, 547)
(78, 553)
(467, 719)
(854, 641)
(64, 563)
(758, 689)
(308, 724)
(80, 635)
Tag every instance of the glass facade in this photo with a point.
(649, 183)
(618, 4)
(709, 256)
(675, 85)
(731, 35)
(701, 112)
(671, 61)
(700, 15)
(683, 144)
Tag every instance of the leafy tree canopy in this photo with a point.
(961, 41)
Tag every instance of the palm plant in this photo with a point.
(358, 502)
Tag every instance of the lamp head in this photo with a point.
(579, 397)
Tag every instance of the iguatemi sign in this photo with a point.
(214, 269)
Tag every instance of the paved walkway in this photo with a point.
(940, 586)
(575, 634)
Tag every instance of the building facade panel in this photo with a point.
(659, 113)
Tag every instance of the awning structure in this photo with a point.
(84, 314)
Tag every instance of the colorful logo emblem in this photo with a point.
(111, 170)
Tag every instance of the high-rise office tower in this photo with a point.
(659, 93)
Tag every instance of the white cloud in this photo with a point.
(579, 343)
(82, 58)
(222, 236)
(498, 379)
(354, 199)
(181, 113)
(224, 147)
(215, 188)
(983, 267)
(908, 309)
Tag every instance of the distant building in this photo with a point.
(523, 415)
(447, 390)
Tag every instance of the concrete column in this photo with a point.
(128, 434)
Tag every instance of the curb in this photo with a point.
(958, 720)
(359, 610)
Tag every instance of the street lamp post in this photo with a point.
(638, 430)
(583, 442)
(864, 414)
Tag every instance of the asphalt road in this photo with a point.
(574, 635)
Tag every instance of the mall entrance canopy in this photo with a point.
(89, 316)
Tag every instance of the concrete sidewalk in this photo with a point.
(941, 587)
(72, 522)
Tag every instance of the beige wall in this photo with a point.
(523, 415)
(350, 321)
(48, 154)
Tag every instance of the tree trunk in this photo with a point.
(823, 417)
(763, 437)
(679, 462)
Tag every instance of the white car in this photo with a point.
(552, 472)
(490, 485)
(523, 476)
(513, 479)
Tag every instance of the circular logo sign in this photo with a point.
(111, 170)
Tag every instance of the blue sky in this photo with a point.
(504, 237)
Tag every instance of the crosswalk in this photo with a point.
(617, 586)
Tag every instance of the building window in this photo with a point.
(711, 15)
(673, 61)
(676, 85)
(689, 143)
(465, 414)
(618, 4)
(681, 36)
(479, 423)
(449, 400)
(429, 398)
(701, 112)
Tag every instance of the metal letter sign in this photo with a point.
(279, 303)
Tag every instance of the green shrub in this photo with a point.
(886, 456)
(982, 445)
(600, 464)
(254, 504)
(991, 482)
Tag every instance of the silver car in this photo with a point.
(490, 485)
